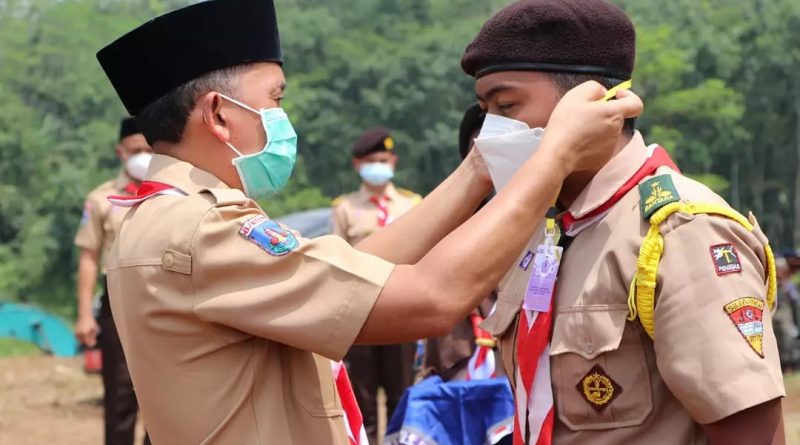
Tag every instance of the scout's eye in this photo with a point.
(507, 106)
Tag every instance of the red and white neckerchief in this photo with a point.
(482, 363)
(381, 202)
(146, 190)
(658, 157)
(533, 423)
(353, 420)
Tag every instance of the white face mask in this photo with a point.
(137, 165)
(505, 145)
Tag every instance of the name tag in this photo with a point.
(542, 282)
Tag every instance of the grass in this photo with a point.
(10, 347)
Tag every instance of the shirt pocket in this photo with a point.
(313, 386)
(599, 369)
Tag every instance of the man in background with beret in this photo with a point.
(98, 229)
(356, 216)
(659, 328)
(230, 320)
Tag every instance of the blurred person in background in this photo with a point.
(783, 320)
(456, 356)
(356, 216)
(98, 229)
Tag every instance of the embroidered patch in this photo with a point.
(275, 238)
(598, 388)
(747, 314)
(725, 258)
(656, 193)
(526, 261)
(87, 213)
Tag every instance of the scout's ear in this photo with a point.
(215, 117)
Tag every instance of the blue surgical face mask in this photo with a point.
(376, 173)
(267, 171)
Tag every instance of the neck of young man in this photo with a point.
(376, 190)
(575, 183)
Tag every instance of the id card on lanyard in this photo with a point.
(546, 261)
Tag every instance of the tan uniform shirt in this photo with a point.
(698, 370)
(228, 320)
(355, 216)
(101, 220)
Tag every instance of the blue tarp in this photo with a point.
(454, 413)
(31, 324)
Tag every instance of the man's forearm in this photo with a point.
(87, 279)
(408, 239)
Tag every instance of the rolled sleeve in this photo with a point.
(704, 358)
(316, 297)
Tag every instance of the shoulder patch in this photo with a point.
(726, 259)
(747, 315)
(87, 213)
(656, 193)
(275, 238)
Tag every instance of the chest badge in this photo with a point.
(598, 388)
(747, 315)
(275, 238)
(726, 259)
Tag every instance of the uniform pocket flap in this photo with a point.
(590, 330)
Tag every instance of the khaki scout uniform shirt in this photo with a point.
(101, 220)
(698, 370)
(224, 337)
(355, 216)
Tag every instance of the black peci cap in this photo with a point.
(128, 127)
(372, 141)
(571, 36)
(180, 46)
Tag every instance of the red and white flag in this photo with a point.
(482, 363)
(353, 421)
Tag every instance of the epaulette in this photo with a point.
(409, 194)
(226, 196)
(338, 200)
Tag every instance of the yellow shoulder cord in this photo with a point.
(641, 296)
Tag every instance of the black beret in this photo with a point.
(372, 141)
(178, 47)
(128, 127)
(470, 123)
(572, 36)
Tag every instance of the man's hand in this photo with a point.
(583, 130)
(478, 167)
(86, 330)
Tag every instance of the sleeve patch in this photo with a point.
(275, 238)
(747, 315)
(87, 213)
(656, 193)
(726, 259)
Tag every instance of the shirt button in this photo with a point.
(168, 260)
(589, 347)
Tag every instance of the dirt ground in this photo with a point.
(51, 401)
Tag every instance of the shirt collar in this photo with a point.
(390, 193)
(611, 177)
(121, 181)
(181, 175)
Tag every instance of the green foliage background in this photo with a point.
(718, 78)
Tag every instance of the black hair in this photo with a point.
(568, 81)
(165, 118)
